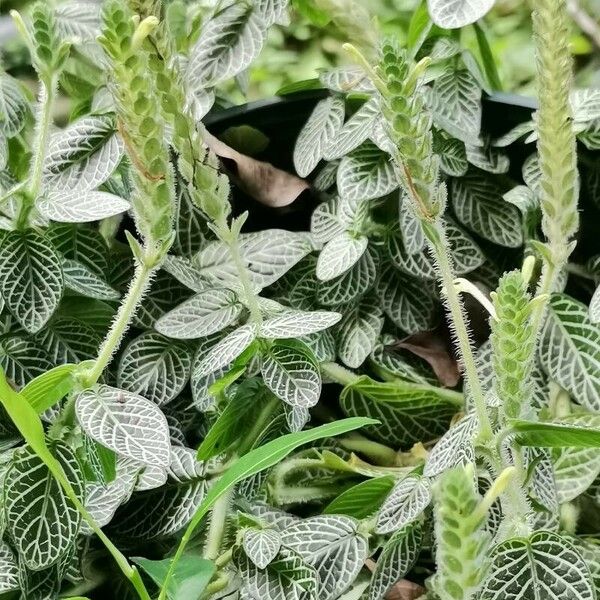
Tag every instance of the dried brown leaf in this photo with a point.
(267, 184)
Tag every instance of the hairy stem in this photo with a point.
(47, 96)
(557, 148)
(231, 238)
(139, 286)
(440, 248)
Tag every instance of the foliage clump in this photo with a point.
(181, 394)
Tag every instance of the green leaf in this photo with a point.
(396, 559)
(479, 205)
(41, 519)
(128, 424)
(487, 58)
(84, 155)
(81, 243)
(594, 309)
(50, 387)
(296, 323)
(333, 546)
(340, 254)
(288, 577)
(554, 435)
(366, 173)
(419, 264)
(9, 570)
(22, 359)
(408, 412)
(405, 503)
(102, 460)
(226, 350)
(261, 546)
(418, 28)
(68, 340)
(352, 284)
(227, 44)
(458, 13)
(319, 132)
(309, 10)
(362, 500)
(358, 332)
(164, 507)
(450, 449)
(576, 469)
(405, 301)
(549, 568)
(86, 282)
(31, 279)
(188, 582)
(14, 106)
(355, 131)
(290, 371)
(76, 206)
(569, 350)
(78, 20)
(453, 157)
(346, 79)
(455, 104)
(201, 315)
(155, 367)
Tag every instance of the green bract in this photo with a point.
(402, 399)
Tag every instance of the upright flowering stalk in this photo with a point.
(143, 131)
(408, 126)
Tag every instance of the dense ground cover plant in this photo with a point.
(165, 431)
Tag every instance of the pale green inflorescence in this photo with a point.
(462, 540)
(140, 124)
(556, 143)
(409, 127)
(512, 342)
(208, 187)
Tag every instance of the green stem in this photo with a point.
(379, 454)
(217, 527)
(139, 285)
(440, 246)
(40, 146)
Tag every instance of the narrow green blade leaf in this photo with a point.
(24, 417)
(189, 580)
(552, 435)
(48, 388)
(487, 58)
